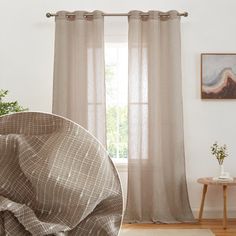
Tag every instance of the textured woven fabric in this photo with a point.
(55, 179)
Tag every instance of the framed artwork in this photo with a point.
(218, 75)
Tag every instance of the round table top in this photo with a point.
(212, 181)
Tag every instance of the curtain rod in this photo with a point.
(185, 14)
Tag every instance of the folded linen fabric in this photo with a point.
(55, 179)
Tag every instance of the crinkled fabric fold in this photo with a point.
(55, 179)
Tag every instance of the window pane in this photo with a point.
(116, 59)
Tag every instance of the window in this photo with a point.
(116, 72)
(116, 68)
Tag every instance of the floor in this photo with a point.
(214, 225)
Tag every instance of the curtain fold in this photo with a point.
(79, 85)
(157, 189)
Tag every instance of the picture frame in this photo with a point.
(218, 75)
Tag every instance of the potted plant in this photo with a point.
(220, 153)
(8, 107)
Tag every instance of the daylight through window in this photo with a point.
(116, 73)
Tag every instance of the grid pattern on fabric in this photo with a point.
(55, 178)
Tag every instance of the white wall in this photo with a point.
(26, 69)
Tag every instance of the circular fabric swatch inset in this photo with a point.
(55, 177)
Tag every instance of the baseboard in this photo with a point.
(210, 213)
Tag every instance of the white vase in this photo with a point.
(222, 171)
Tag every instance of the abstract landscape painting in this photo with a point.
(218, 76)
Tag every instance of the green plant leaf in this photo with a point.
(9, 107)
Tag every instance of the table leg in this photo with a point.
(225, 206)
(202, 202)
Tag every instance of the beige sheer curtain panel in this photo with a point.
(79, 85)
(157, 190)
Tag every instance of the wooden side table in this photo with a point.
(224, 184)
